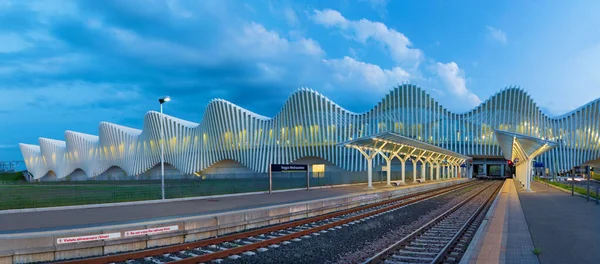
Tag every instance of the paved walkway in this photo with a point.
(122, 214)
(566, 228)
(505, 237)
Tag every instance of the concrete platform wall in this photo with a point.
(44, 246)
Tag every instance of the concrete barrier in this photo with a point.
(46, 246)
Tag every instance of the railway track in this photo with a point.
(249, 242)
(443, 239)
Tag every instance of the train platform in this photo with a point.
(504, 234)
(56, 219)
(544, 225)
(565, 228)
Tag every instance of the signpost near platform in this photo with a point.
(287, 168)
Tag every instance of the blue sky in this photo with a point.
(67, 65)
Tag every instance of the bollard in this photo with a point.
(573, 188)
(597, 195)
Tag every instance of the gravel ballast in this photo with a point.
(354, 243)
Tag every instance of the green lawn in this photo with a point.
(18, 195)
(595, 175)
(12, 176)
(567, 186)
(30, 195)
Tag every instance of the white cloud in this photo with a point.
(47, 65)
(330, 18)
(370, 76)
(497, 34)
(378, 5)
(12, 43)
(353, 53)
(453, 78)
(310, 47)
(257, 41)
(397, 44)
(290, 16)
(399, 47)
(62, 94)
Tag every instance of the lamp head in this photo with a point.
(164, 99)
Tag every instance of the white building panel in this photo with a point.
(310, 125)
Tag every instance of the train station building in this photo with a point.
(505, 130)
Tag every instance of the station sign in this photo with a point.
(77, 239)
(516, 161)
(289, 168)
(538, 165)
(582, 169)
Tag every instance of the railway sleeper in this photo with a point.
(417, 253)
(431, 241)
(437, 236)
(421, 249)
(419, 244)
(412, 259)
(437, 229)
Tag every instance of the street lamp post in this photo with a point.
(162, 145)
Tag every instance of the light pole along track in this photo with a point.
(434, 241)
(371, 209)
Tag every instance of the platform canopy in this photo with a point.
(389, 142)
(522, 149)
(390, 145)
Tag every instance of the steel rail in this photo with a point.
(217, 240)
(253, 246)
(379, 257)
(461, 232)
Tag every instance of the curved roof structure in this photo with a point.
(309, 124)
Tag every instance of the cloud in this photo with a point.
(497, 34)
(12, 43)
(290, 16)
(397, 44)
(401, 51)
(110, 60)
(67, 95)
(269, 44)
(378, 5)
(368, 76)
(453, 78)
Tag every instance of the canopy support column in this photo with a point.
(414, 170)
(369, 157)
(389, 171)
(423, 168)
(388, 160)
(403, 162)
(431, 171)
